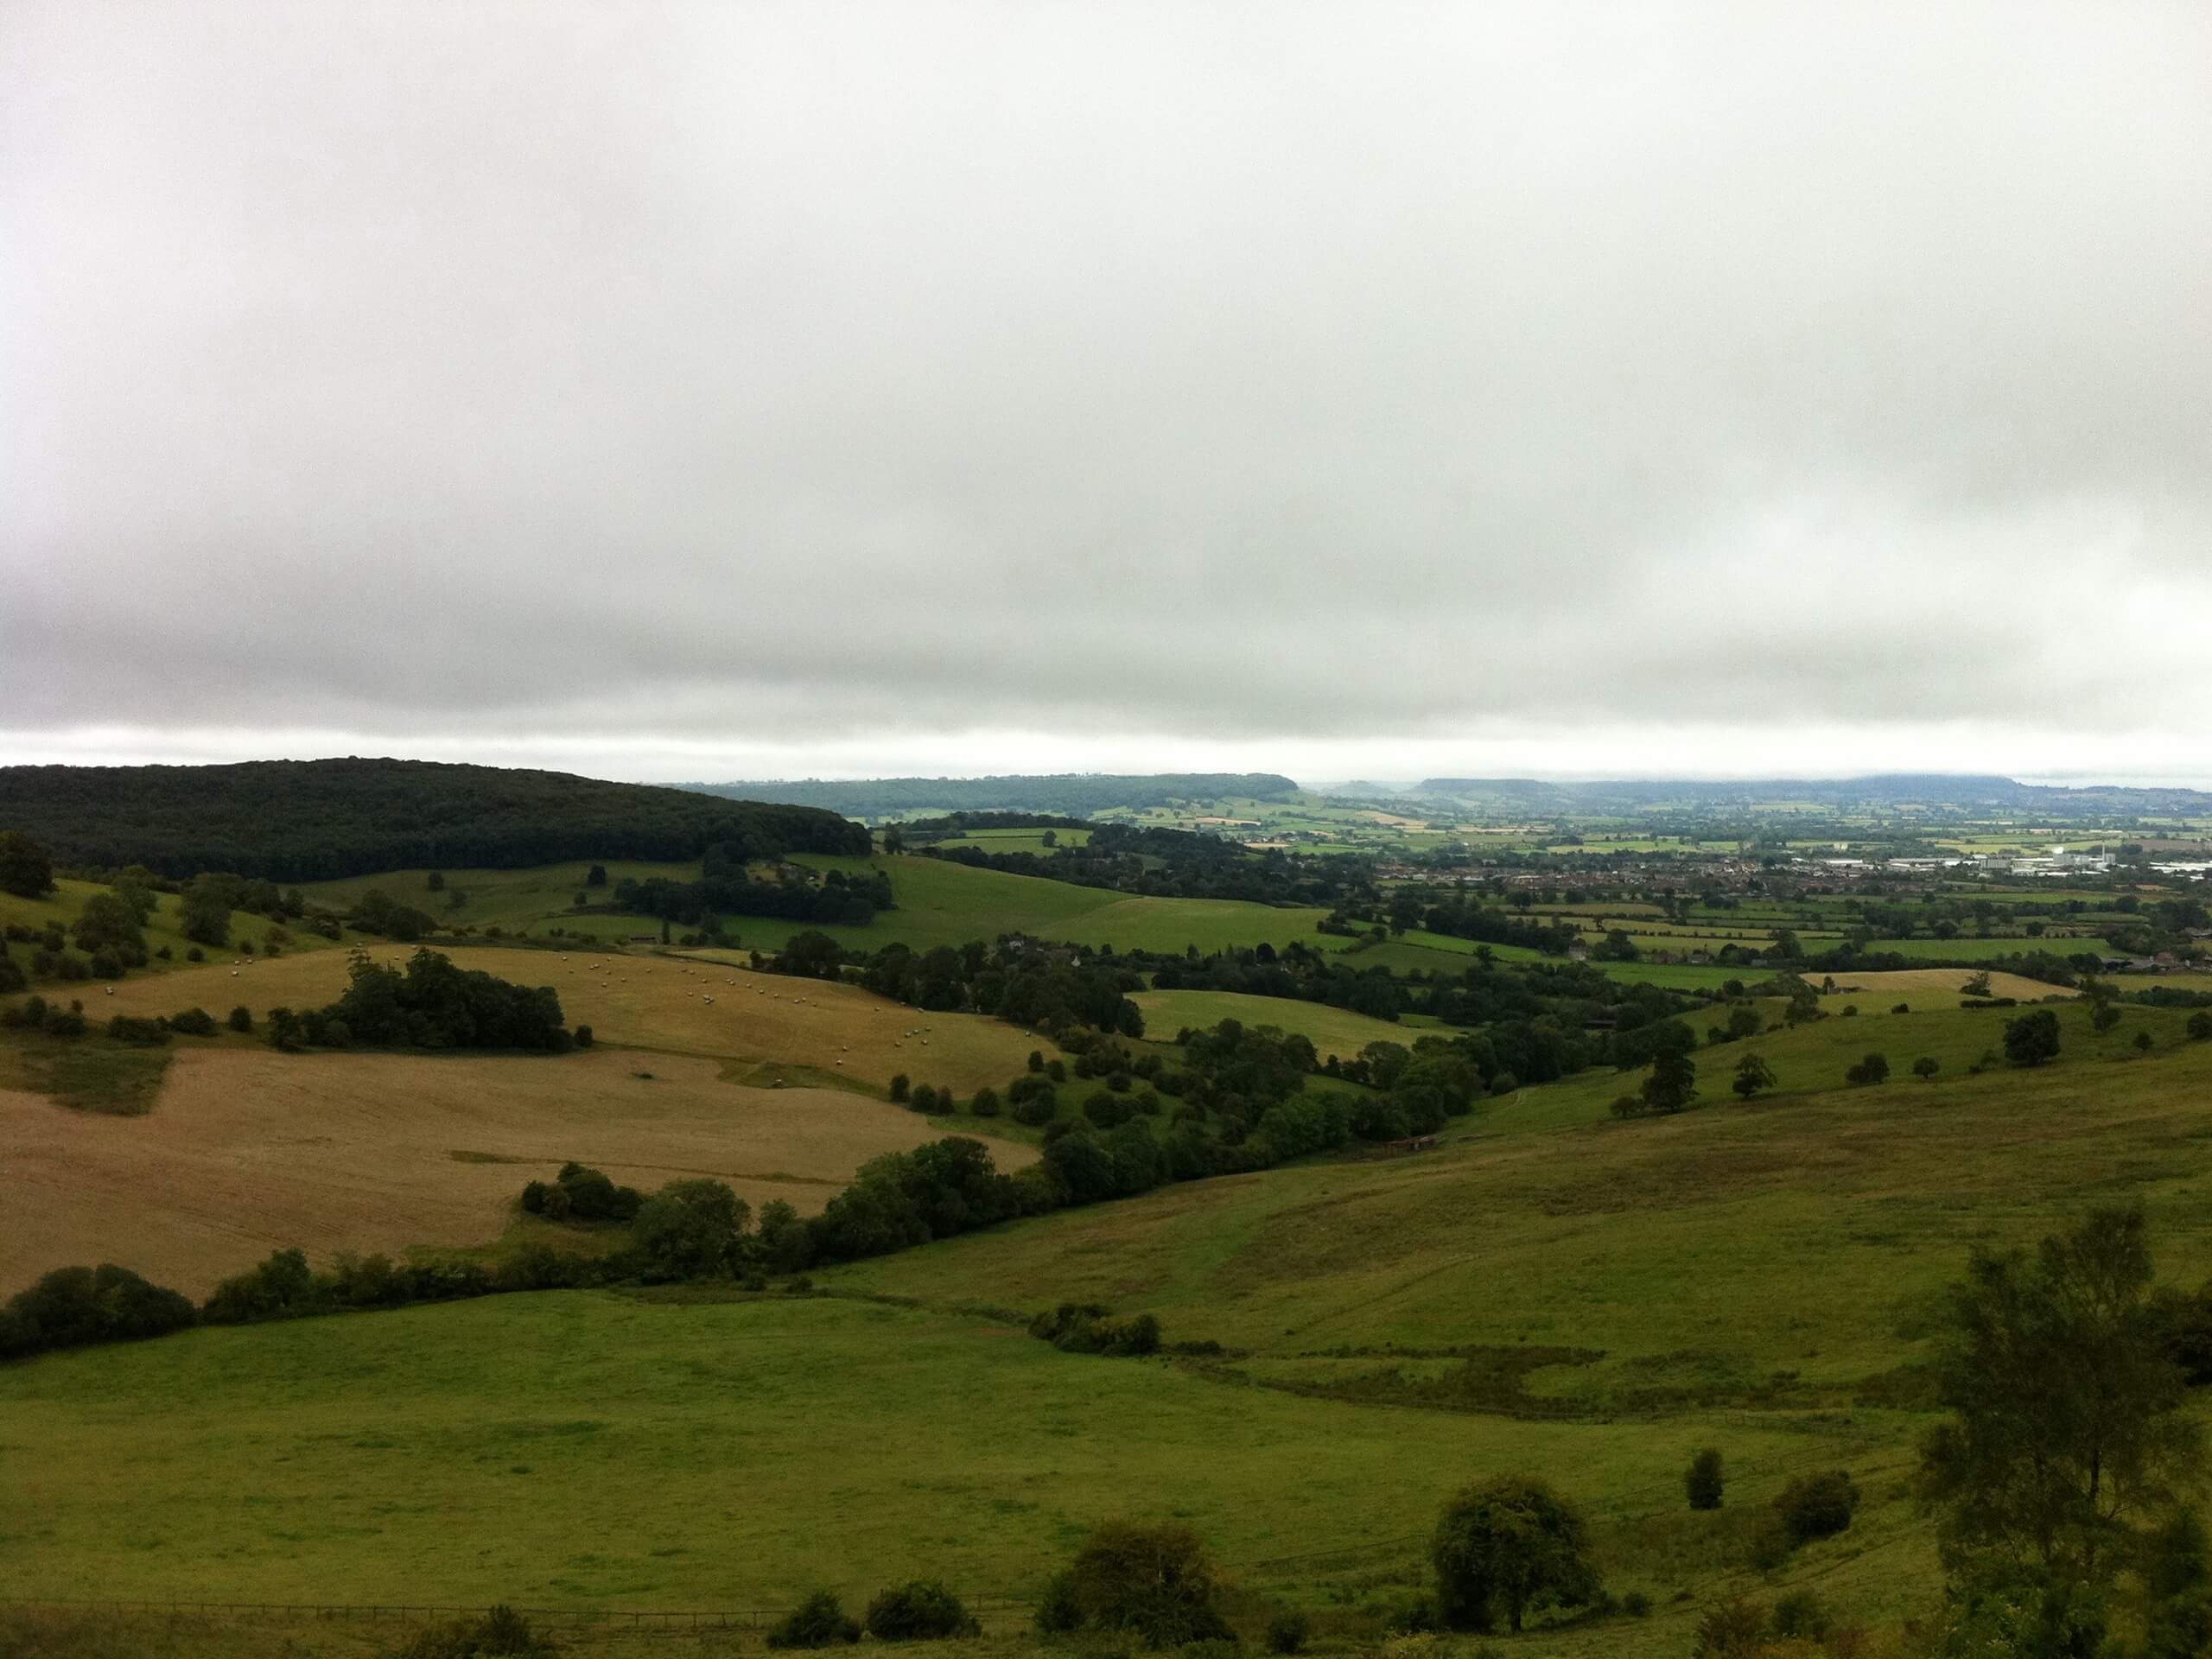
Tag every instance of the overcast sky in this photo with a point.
(729, 389)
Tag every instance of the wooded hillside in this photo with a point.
(319, 820)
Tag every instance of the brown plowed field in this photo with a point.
(248, 1150)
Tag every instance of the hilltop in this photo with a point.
(319, 820)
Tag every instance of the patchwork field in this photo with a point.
(249, 1150)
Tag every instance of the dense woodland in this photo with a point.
(319, 820)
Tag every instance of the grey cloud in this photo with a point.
(721, 373)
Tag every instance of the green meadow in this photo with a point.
(1332, 1031)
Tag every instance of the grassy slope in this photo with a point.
(1333, 1031)
(518, 900)
(1752, 1277)
(66, 903)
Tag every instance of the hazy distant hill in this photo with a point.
(317, 820)
(1893, 789)
(1077, 794)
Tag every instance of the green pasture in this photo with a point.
(1016, 841)
(1964, 949)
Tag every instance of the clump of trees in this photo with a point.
(71, 1308)
(432, 1004)
(580, 1193)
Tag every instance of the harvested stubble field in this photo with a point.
(1905, 983)
(655, 1002)
(250, 1150)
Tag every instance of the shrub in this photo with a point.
(241, 1018)
(129, 1028)
(1734, 1628)
(920, 1611)
(2200, 1026)
(1801, 1615)
(924, 1098)
(1511, 1545)
(194, 1022)
(584, 1038)
(1154, 1581)
(1287, 1632)
(1056, 1613)
(1817, 1506)
(1704, 1480)
(900, 1087)
(1037, 1109)
(1637, 1605)
(1926, 1067)
(817, 1622)
(986, 1103)
(502, 1633)
(1084, 1328)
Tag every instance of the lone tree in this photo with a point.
(1672, 1082)
(1704, 1480)
(596, 876)
(1926, 1067)
(1511, 1545)
(2068, 1440)
(25, 869)
(2032, 1038)
(1753, 1076)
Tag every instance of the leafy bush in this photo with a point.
(1801, 1615)
(194, 1022)
(580, 1193)
(1084, 1328)
(1817, 1506)
(2200, 1026)
(1287, 1632)
(1056, 1613)
(1703, 1480)
(129, 1028)
(1637, 1605)
(817, 1622)
(503, 1633)
(1734, 1628)
(920, 1611)
(241, 1018)
(1154, 1581)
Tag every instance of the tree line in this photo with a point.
(1074, 794)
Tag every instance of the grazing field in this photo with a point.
(247, 1149)
(1332, 1031)
(1985, 950)
(819, 1030)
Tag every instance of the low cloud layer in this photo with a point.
(676, 390)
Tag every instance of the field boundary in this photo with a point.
(643, 1618)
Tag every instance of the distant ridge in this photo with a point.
(1078, 794)
(1884, 789)
(318, 820)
